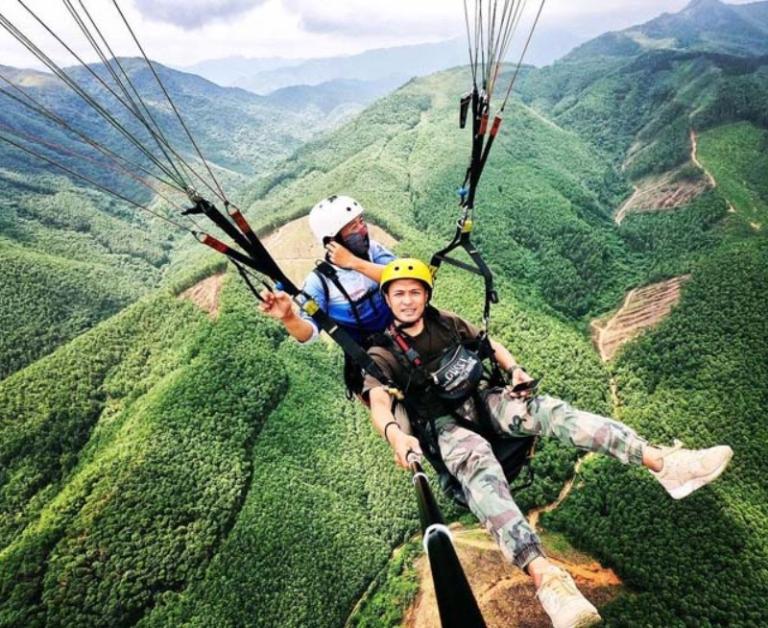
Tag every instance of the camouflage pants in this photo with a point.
(470, 459)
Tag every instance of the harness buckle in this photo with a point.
(310, 307)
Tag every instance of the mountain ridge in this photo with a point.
(703, 25)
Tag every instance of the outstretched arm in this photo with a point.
(385, 424)
(278, 305)
(503, 356)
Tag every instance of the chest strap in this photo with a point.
(413, 357)
(325, 271)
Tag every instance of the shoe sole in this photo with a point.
(590, 619)
(587, 617)
(691, 485)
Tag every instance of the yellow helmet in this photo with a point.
(405, 268)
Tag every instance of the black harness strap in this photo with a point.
(345, 341)
(325, 271)
(482, 141)
(259, 259)
(462, 239)
(352, 375)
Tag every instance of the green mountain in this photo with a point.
(337, 100)
(640, 111)
(702, 26)
(70, 258)
(166, 469)
(243, 133)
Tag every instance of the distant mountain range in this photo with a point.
(704, 25)
(393, 65)
(232, 71)
(242, 133)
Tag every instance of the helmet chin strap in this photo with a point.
(400, 325)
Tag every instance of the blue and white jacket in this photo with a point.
(374, 313)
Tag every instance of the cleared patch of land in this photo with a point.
(662, 193)
(296, 251)
(506, 596)
(670, 190)
(643, 308)
(205, 294)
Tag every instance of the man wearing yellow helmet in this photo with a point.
(431, 356)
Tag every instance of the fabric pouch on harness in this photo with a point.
(458, 374)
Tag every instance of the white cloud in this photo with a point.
(192, 14)
(183, 32)
(353, 18)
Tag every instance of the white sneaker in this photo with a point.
(685, 470)
(564, 603)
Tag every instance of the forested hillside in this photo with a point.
(703, 26)
(198, 461)
(73, 256)
(700, 377)
(166, 468)
(70, 257)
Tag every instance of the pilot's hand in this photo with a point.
(522, 384)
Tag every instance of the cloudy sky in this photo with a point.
(183, 32)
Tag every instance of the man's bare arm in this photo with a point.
(369, 269)
(508, 363)
(299, 328)
(383, 419)
(279, 306)
(503, 356)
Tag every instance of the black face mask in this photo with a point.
(357, 243)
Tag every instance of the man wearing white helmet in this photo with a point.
(347, 287)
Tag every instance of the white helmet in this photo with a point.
(331, 214)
